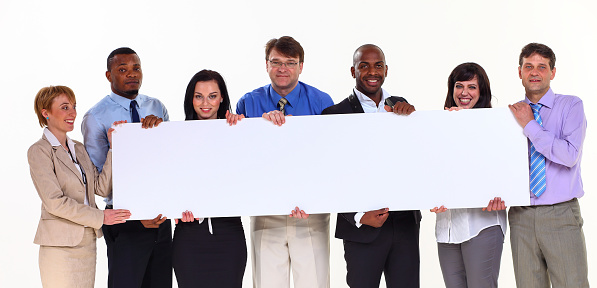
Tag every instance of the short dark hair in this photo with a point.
(537, 48)
(121, 50)
(465, 72)
(287, 46)
(202, 76)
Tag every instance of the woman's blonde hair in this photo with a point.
(45, 97)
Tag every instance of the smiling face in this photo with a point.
(207, 99)
(370, 70)
(536, 76)
(125, 75)
(61, 116)
(284, 79)
(466, 93)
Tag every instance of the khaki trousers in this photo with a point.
(281, 242)
(548, 245)
(69, 267)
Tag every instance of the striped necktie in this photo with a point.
(281, 104)
(537, 167)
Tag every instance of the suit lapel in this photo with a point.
(355, 104)
(87, 166)
(84, 161)
(63, 157)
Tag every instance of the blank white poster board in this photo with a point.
(322, 164)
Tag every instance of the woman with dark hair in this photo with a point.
(210, 253)
(470, 240)
(475, 75)
(207, 78)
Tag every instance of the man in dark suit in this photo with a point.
(380, 240)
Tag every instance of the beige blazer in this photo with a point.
(62, 191)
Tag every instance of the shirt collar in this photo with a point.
(292, 97)
(54, 141)
(547, 100)
(126, 102)
(365, 100)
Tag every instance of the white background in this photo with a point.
(66, 43)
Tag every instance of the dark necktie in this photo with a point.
(134, 113)
(281, 104)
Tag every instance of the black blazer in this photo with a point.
(345, 225)
(352, 105)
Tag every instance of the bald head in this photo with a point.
(369, 69)
(356, 57)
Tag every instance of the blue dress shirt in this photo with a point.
(100, 117)
(302, 100)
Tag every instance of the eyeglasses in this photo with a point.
(278, 64)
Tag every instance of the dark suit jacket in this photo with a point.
(345, 225)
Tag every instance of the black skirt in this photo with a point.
(201, 259)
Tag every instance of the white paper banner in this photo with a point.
(328, 163)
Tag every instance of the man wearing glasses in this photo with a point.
(281, 242)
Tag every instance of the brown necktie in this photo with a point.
(281, 104)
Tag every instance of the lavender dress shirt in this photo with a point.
(560, 140)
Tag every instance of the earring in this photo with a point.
(48, 118)
(221, 101)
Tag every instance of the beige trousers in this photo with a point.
(69, 267)
(548, 245)
(280, 243)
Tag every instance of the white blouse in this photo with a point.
(456, 226)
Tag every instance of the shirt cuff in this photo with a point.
(357, 219)
(531, 129)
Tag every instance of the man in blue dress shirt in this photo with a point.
(300, 241)
(139, 252)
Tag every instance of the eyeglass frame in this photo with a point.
(288, 65)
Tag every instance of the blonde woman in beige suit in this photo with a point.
(66, 182)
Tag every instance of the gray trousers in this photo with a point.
(474, 263)
(548, 244)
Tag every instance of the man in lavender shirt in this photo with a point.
(548, 243)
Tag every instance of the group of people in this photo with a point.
(547, 237)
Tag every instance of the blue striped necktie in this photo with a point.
(537, 167)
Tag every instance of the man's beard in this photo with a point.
(131, 92)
